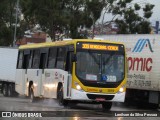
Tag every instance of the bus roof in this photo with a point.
(62, 43)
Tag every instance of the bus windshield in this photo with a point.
(100, 66)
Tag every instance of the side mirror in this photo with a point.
(74, 58)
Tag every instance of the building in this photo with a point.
(38, 37)
(110, 28)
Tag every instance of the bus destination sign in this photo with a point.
(100, 46)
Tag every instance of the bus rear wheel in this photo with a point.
(61, 100)
(106, 106)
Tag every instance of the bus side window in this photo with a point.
(60, 58)
(42, 60)
(52, 57)
(36, 59)
(26, 59)
(20, 60)
(68, 66)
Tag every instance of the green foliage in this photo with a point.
(130, 22)
(143, 27)
(122, 27)
(137, 7)
(95, 7)
(61, 15)
(66, 16)
(5, 36)
(6, 21)
(147, 10)
(148, 7)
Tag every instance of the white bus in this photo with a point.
(73, 70)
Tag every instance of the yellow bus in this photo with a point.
(80, 70)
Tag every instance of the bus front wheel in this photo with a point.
(106, 106)
(61, 100)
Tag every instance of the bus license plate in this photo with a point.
(100, 99)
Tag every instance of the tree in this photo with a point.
(126, 16)
(6, 21)
(130, 22)
(61, 15)
(94, 9)
(51, 15)
(5, 36)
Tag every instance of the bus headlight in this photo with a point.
(121, 89)
(78, 87)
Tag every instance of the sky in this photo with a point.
(156, 10)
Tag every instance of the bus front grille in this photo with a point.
(95, 96)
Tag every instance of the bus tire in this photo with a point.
(10, 91)
(61, 101)
(31, 96)
(5, 90)
(106, 106)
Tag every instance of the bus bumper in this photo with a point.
(85, 96)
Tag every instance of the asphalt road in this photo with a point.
(49, 109)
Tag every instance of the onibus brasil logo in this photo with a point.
(141, 43)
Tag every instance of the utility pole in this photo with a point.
(93, 29)
(15, 30)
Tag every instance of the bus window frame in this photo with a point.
(18, 60)
(43, 51)
(26, 53)
(48, 58)
(61, 58)
(38, 59)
